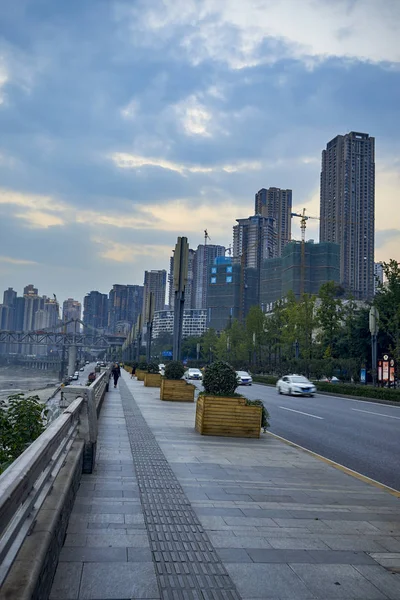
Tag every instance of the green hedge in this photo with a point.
(344, 389)
(364, 391)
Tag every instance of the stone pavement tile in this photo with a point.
(267, 581)
(279, 556)
(66, 581)
(391, 544)
(99, 494)
(339, 557)
(266, 513)
(250, 521)
(386, 582)
(366, 543)
(136, 540)
(96, 518)
(86, 554)
(139, 555)
(234, 555)
(118, 581)
(390, 560)
(337, 581)
(297, 543)
(220, 511)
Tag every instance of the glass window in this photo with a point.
(229, 279)
(213, 280)
(213, 269)
(229, 269)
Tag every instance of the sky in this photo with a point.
(124, 124)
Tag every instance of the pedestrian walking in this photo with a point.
(116, 373)
(133, 372)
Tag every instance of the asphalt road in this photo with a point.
(362, 436)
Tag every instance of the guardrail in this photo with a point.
(26, 483)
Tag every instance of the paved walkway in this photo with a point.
(170, 514)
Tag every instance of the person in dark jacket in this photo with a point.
(116, 373)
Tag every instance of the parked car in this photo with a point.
(194, 374)
(244, 378)
(296, 385)
(82, 369)
(161, 368)
(329, 379)
(75, 376)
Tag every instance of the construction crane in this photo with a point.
(303, 222)
(206, 237)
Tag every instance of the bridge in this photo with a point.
(66, 341)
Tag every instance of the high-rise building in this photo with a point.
(189, 284)
(125, 303)
(202, 260)
(378, 275)
(134, 302)
(9, 300)
(276, 203)
(19, 313)
(254, 240)
(95, 310)
(281, 275)
(30, 290)
(156, 282)
(194, 322)
(347, 208)
(72, 309)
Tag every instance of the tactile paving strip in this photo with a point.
(187, 566)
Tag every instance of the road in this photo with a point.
(362, 436)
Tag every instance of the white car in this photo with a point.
(295, 385)
(244, 378)
(75, 377)
(194, 374)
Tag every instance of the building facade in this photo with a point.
(347, 208)
(95, 310)
(254, 240)
(204, 258)
(189, 284)
(72, 309)
(194, 322)
(283, 274)
(156, 282)
(378, 275)
(276, 203)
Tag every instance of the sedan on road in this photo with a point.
(295, 385)
(194, 374)
(244, 378)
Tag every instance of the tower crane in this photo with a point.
(303, 222)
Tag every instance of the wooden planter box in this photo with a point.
(176, 390)
(152, 380)
(140, 374)
(229, 417)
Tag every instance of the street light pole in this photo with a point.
(374, 328)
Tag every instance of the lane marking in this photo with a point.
(301, 413)
(369, 412)
(340, 467)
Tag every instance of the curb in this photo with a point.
(360, 398)
(332, 463)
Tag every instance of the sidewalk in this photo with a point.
(185, 516)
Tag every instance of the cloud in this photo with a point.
(124, 160)
(16, 261)
(246, 34)
(39, 219)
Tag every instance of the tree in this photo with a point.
(387, 301)
(255, 333)
(208, 345)
(329, 316)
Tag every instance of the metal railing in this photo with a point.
(26, 483)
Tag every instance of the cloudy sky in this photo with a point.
(124, 123)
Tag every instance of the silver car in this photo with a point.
(295, 385)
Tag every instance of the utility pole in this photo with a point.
(149, 324)
(181, 260)
(139, 325)
(374, 328)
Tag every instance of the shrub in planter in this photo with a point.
(142, 366)
(265, 414)
(219, 379)
(174, 370)
(153, 368)
(220, 411)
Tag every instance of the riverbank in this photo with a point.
(16, 379)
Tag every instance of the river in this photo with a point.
(14, 379)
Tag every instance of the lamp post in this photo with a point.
(374, 328)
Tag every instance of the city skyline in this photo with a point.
(105, 160)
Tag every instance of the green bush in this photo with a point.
(268, 379)
(265, 414)
(220, 379)
(174, 370)
(22, 420)
(363, 391)
(153, 368)
(142, 366)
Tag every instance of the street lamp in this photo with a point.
(374, 328)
